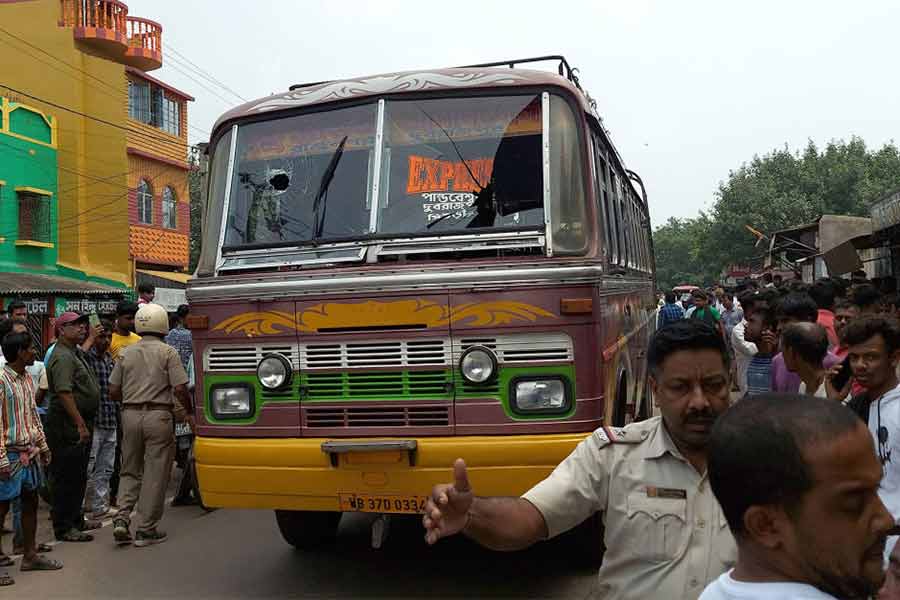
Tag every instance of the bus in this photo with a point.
(403, 269)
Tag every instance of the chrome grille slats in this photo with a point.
(245, 357)
(520, 347)
(397, 354)
(384, 353)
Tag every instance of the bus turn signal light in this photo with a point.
(576, 306)
(197, 322)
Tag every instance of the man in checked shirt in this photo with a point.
(103, 449)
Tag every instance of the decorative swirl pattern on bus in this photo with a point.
(372, 314)
(405, 82)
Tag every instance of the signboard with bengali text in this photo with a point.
(35, 305)
(101, 306)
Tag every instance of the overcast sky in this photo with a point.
(689, 90)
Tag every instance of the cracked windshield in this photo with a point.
(448, 165)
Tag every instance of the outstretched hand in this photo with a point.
(447, 510)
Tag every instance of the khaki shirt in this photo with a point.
(665, 534)
(148, 372)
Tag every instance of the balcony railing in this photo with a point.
(105, 14)
(104, 26)
(144, 43)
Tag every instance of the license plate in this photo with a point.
(182, 429)
(378, 503)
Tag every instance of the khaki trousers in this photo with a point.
(148, 450)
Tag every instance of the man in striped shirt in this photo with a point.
(760, 330)
(23, 448)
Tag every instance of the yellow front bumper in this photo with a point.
(296, 474)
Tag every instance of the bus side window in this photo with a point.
(645, 254)
(616, 216)
(609, 209)
(640, 237)
(645, 239)
(632, 229)
(624, 253)
(602, 231)
(626, 223)
(642, 240)
(632, 255)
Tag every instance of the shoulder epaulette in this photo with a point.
(633, 433)
(623, 435)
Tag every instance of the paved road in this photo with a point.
(235, 553)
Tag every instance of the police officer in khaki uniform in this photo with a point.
(665, 534)
(151, 383)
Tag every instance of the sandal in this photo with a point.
(5, 580)
(41, 563)
(91, 525)
(76, 536)
(6, 561)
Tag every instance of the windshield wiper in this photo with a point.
(322, 195)
(486, 213)
(455, 147)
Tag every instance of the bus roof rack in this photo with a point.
(564, 68)
(297, 86)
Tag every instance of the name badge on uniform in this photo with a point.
(661, 492)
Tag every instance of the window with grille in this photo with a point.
(145, 202)
(34, 217)
(149, 104)
(156, 106)
(171, 116)
(139, 101)
(168, 208)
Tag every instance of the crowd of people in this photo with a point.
(90, 428)
(769, 473)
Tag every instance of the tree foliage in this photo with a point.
(196, 214)
(679, 251)
(779, 190)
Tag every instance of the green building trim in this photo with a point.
(29, 182)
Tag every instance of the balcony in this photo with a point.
(144, 44)
(104, 27)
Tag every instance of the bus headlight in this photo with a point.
(273, 371)
(231, 401)
(546, 395)
(478, 364)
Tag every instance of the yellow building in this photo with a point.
(118, 197)
(120, 136)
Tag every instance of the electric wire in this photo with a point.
(205, 73)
